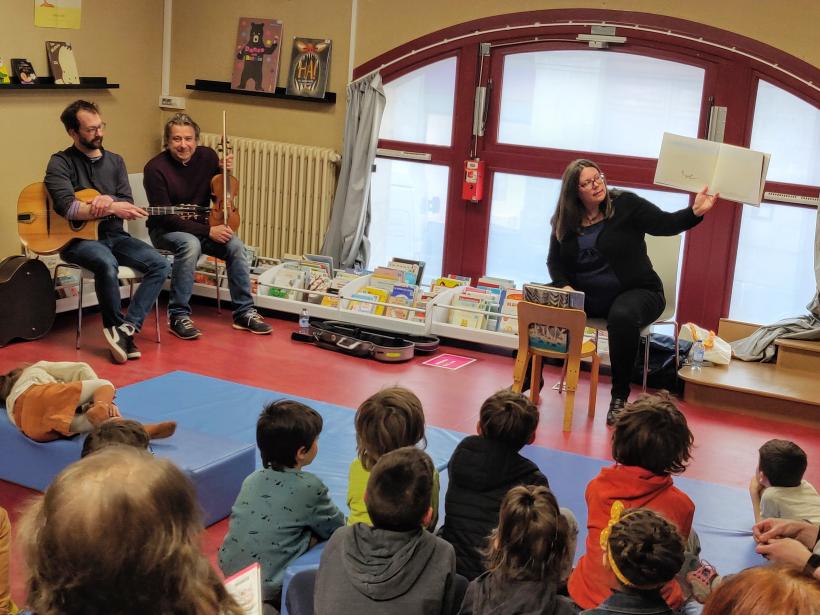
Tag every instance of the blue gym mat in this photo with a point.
(723, 515)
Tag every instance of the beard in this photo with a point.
(93, 143)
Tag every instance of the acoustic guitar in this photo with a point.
(27, 297)
(44, 231)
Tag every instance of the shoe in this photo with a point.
(117, 338)
(131, 351)
(252, 321)
(616, 406)
(183, 327)
(701, 579)
(157, 431)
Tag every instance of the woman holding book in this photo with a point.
(597, 246)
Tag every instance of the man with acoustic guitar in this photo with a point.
(182, 174)
(87, 165)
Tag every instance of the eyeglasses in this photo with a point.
(92, 130)
(598, 179)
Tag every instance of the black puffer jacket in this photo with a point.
(481, 472)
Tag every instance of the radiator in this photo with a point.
(285, 193)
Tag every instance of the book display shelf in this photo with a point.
(47, 83)
(224, 87)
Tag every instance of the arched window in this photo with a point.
(546, 99)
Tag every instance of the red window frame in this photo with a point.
(731, 80)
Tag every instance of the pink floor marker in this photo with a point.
(449, 361)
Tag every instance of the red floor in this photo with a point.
(726, 443)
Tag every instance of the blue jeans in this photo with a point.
(103, 257)
(187, 249)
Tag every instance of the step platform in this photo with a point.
(217, 466)
(787, 389)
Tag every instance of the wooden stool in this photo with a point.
(574, 321)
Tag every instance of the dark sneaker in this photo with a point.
(183, 327)
(118, 338)
(131, 350)
(616, 406)
(252, 321)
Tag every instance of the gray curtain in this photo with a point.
(346, 239)
(814, 306)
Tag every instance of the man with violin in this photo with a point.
(182, 174)
(87, 165)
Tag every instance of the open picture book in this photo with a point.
(737, 173)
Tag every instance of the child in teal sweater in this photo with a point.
(280, 511)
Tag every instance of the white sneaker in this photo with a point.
(117, 338)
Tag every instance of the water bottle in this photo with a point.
(304, 322)
(697, 354)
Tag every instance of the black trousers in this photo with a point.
(630, 312)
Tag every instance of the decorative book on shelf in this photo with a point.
(61, 62)
(309, 67)
(5, 76)
(256, 54)
(24, 71)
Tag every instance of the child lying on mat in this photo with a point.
(280, 511)
(48, 401)
(778, 489)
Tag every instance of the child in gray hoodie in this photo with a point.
(395, 566)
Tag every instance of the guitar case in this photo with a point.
(27, 299)
(367, 342)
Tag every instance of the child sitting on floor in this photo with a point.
(644, 552)
(48, 401)
(119, 532)
(778, 489)
(280, 511)
(650, 442)
(482, 470)
(527, 552)
(394, 567)
(390, 419)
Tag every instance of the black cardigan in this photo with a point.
(622, 242)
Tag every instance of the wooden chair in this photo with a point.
(574, 321)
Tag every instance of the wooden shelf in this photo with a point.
(224, 87)
(47, 83)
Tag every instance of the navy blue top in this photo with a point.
(594, 274)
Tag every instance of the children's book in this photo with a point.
(256, 54)
(737, 173)
(547, 337)
(413, 270)
(509, 320)
(5, 76)
(61, 62)
(246, 588)
(402, 296)
(23, 70)
(309, 67)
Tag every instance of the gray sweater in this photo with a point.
(366, 570)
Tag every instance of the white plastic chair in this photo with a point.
(664, 252)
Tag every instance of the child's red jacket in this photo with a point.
(591, 583)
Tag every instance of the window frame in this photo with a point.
(731, 81)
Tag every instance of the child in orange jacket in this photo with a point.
(650, 442)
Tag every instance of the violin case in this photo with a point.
(367, 342)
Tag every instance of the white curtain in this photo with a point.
(346, 239)
(814, 306)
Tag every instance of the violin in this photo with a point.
(224, 190)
